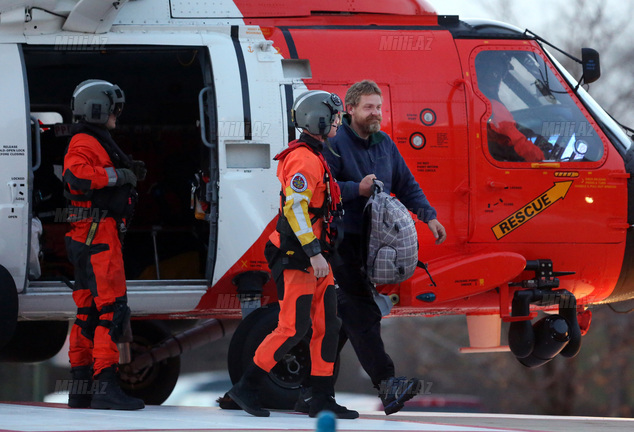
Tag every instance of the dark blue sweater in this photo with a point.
(377, 155)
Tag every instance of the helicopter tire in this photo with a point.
(155, 383)
(8, 306)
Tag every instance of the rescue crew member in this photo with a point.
(361, 152)
(506, 142)
(99, 182)
(297, 256)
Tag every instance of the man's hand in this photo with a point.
(125, 176)
(366, 185)
(437, 230)
(319, 265)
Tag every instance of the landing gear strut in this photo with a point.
(155, 355)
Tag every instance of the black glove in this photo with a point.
(139, 169)
(125, 176)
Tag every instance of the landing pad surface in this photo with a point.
(47, 417)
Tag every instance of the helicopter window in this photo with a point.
(533, 117)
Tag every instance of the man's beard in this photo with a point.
(372, 124)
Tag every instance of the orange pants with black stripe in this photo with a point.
(304, 300)
(100, 290)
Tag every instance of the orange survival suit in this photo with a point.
(310, 201)
(506, 142)
(99, 211)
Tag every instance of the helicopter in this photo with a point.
(209, 91)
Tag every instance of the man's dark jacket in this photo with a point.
(356, 157)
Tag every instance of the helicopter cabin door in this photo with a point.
(15, 159)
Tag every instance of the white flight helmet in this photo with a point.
(94, 100)
(315, 111)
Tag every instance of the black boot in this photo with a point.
(79, 390)
(303, 401)
(108, 394)
(394, 392)
(225, 402)
(324, 399)
(245, 391)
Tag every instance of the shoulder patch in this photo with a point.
(299, 183)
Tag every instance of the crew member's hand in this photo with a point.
(437, 230)
(366, 185)
(125, 176)
(139, 169)
(319, 265)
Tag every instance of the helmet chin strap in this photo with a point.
(329, 147)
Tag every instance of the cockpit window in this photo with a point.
(533, 117)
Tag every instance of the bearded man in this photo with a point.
(360, 153)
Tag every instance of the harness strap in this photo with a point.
(76, 197)
(85, 310)
(107, 309)
(105, 323)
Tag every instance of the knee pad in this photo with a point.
(90, 323)
(332, 325)
(302, 315)
(120, 324)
